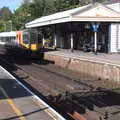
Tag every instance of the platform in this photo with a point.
(99, 57)
(19, 103)
(101, 66)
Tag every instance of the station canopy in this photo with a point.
(89, 13)
(8, 34)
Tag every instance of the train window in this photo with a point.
(13, 40)
(26, 38)
(39, 38)
(33, 38)
(1, 39)
(7, 40)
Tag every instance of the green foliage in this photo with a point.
(2, 26)
(22, 15)
(37, 8)
(5, 18)
(61, 5)
(5, 13)
(49, 7)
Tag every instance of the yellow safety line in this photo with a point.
(51, 115)
(11, 103)
(47, 111)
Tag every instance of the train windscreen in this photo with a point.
(26, 38)
(33, 37)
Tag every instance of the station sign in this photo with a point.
(95, 27)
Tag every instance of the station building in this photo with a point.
(94, 27)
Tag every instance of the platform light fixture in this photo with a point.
(87, 26)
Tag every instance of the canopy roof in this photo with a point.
(90, 13)
(8, 34)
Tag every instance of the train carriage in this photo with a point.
(27, 41)
(30, 41)
(8, 38)
(8, 42)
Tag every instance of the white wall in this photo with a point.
(118, 37)
(114, 37)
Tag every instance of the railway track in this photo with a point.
(74, 99)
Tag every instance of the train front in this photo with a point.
(30, 42)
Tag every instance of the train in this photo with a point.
(27, 41)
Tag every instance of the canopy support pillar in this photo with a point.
(95, 42)
(55, 40)
(43, 40)
(71, 39)
(55, 37)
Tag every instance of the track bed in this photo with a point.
(71, 94)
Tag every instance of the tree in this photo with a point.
(49, 7)
(22, 15)
(61, 5)
(5, 17)
(5, 13)
(2, 26)
(37, 8)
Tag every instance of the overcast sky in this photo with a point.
(12, 4)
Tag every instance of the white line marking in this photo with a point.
(86, 59)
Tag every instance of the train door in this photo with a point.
(40, 40)
(19, 37)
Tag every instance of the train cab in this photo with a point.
(28, 39)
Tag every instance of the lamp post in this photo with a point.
(4, 27)
(10, 21)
